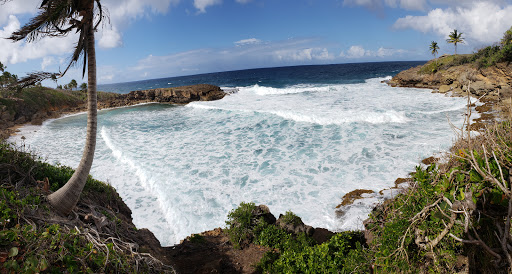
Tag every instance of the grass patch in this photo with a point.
(444, 63)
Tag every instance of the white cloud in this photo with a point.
(47, 61)
(250, 41)
(17, 7)
(267, 54)
(243, 1)
(418, 5)
(13, 53)
(121, 13)
(481, 23)
(201, 5)
(356, 52)
(110, 38)
(378, 4)
(359, 52)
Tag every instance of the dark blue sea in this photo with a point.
(274, 77)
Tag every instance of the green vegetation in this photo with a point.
(34, 240)
(72, 85)
(83, 87)
(434, 49)
(291, 253)
(240, 222)
(455, 38)
(6, 78)
(485, 57)
(290, 218)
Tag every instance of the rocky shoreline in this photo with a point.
(15, 112)
(491, 85)
(214, 253)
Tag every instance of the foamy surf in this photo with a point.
(298, 147)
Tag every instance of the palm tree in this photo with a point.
(455, 38)
(59, 18)
(73, 84)
(434, 47)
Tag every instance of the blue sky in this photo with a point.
(164, 38)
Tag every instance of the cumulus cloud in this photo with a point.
(201, 5)
(356, 52)
(110, 38)
(17, 7)
(13, 53)
(482, 22)
(121, 13)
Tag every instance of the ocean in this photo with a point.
(292, 138)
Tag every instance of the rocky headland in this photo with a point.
(491, 85)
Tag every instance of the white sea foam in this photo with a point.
(262, 90)
(300, 148)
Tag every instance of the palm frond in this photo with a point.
(61, 17)
(34, 78)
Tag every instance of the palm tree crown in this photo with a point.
(434, 47)
(455, 38)
(58, 18)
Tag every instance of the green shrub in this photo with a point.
(290, 218)
(240, 224)
(302, 256)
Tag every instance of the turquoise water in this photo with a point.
(297, 147)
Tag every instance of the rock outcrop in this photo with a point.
(178, 95)
(494, 82)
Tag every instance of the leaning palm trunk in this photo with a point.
(65, 199)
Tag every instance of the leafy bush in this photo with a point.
(290, 218)
(301, 255)
(240, 224)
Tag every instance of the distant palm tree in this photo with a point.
(434, 47)
(455, 38)
(59, 18)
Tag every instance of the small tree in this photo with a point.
(2, 67)
(433, 49)
(507, 38)
(455, 38)
(83, 87)
(73, 84)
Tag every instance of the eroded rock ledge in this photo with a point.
(177, 95)
(494, 82)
